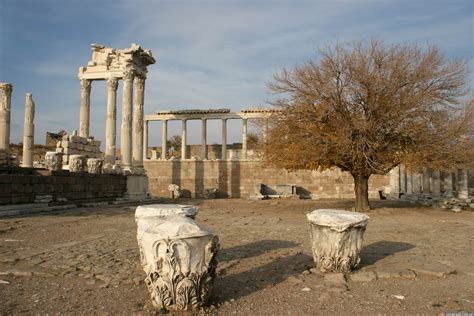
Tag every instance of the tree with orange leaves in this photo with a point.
(367, 107)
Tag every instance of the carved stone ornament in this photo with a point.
(86, 84)
(94, 165)
(112, 84)
(53, 160)
(76, 163)
(336, 239)
(179, 258)
(128, 75)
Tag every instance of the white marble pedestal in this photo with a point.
(336, 238)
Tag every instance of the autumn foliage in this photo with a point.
(366, 107)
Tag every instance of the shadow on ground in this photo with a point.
(381, 249)
(241, 284)
(254, 249)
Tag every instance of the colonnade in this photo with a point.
(132, 129)
(433, 182)
(203, 115)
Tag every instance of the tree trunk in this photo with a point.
(361, 189)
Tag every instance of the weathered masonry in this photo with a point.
(110, 64)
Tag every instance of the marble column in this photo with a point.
(145, 140)
(5, 114)
(409, 182)
(138, 101)
(126, 130)
(416, 182)
(183, 139)
(403, 179)
(84, 114)
(28, 132)
(111, 122)
(436, 183)
(448, 183)
(204, 139)
(426, 181)
(224, 140)
(463, 190)
(244, 138)
(164, 140)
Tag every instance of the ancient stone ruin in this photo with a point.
(178, 256)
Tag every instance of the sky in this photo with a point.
(209, 54)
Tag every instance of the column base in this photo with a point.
(137, 187)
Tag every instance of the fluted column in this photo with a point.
(224, 140)
(164, 140)
(111, 122)
(145, 140)
(183, 139)
(5, 114)
(84, 114)
(126, 130)
(244, 138)
(28, 132)
(448, 183)
(138, 101)
(204, 139)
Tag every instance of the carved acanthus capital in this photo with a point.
(139, 82)
(112, 84)
(86, 85)
(6, 89)
(128, 75)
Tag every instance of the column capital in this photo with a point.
(112, 84)
(86, 84)
(128, 75)
(6, 88)
(139, 80)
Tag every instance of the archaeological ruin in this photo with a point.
(178, 254)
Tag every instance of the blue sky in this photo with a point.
(210, 54)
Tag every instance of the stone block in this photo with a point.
(363, 276)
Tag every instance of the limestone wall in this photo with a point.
(238, 179)
(23, 185)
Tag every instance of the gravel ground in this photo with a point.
(85, 261)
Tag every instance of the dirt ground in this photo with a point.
(86, 261)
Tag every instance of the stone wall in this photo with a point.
(237, 179)
(22, 185)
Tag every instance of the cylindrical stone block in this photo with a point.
(28, 132)
(436, 183)
(448, 184)
(84, 114)
(126, 131)
(463, 190)
(224, 139)
(336, 238)
(139, 95)
(5, 115)
(111, 122)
